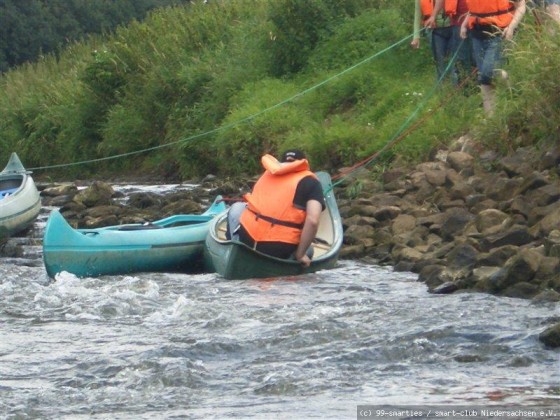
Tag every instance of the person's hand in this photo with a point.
(430, 22)
(415, 43)
(508, 33)
(305, 261)
(463, 32)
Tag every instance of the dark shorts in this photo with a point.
(275, 249)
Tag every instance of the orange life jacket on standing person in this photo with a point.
(427, 8)
(271, 214)
(490, 13)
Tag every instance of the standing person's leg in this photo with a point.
(462, 49)
(439, 50)
(553, 9)
(449, 53)
(487, 54)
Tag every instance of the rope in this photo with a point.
(233, 124)
(402, 132)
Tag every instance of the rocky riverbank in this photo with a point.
(468, 220)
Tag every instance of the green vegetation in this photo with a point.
(208, 88)
(30, 28)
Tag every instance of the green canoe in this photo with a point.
(236, 261)
(173, 244)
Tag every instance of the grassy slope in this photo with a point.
(205, 87)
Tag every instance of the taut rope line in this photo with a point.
(233, 124)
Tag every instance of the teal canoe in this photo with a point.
(20, 202)
(173, 244)
(236, 261)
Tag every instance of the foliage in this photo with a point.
(209, 87)
(31, 28)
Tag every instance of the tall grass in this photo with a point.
(209, 87)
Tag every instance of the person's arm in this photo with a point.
(520, 8)
(415, 43)
(309, 231)
(463, 31)
(431, 21)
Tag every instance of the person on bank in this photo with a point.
(489, 23)
(442, 20)
(281, 214)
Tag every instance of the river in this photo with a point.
(159, 345)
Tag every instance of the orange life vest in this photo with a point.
(270, 214)
(490, 13)
(427, 8)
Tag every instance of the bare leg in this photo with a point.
(554, 12)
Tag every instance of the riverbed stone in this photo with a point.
(551, 336)
(99, 193)
(487, 220)
(403, 223)
(516, 235)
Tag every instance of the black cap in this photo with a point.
(291, 155)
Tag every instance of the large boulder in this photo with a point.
(97, 194)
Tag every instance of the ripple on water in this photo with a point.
(165, 345)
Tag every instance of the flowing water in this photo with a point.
(159, 345)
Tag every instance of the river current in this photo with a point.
(160, 345)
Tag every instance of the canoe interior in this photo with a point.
(9, 184)
(323, 243)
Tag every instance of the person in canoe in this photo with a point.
(281, 214)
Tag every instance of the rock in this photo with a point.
(455, 220)
(356, 234)
(552, 244)
(497, 257)
(550, 222)
(459, 160)
(69, 190)
(462, 256)
(392, 175)
(550, 159)
(547, 296)
(516, 235)
(518, 163)
(352, 251)
(521, 290)
(522, 267)
(433, 276)
(144, 200)
(359, 221)
(551, 336)
(97, 222)
(481, 275)
(403, 223)
(181, 207)
(99, 193)
(502, 189)
(445, 288)
(489, 219)
(531, 182)
(387, 213)
(544, 196)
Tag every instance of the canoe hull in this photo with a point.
(20, 202)
(236, 261)
(175, 244)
